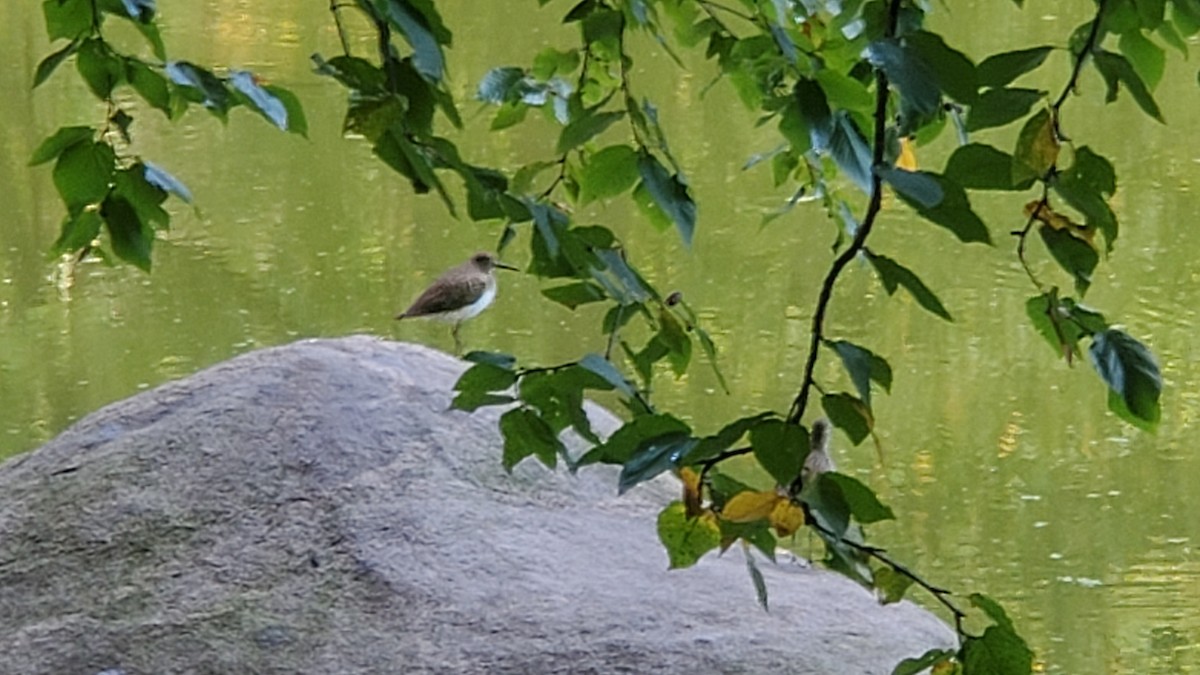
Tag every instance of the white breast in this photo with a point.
(464, 313)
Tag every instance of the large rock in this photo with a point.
(316, 508)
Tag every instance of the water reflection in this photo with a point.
(1006, 473)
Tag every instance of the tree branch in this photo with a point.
(817, 331)
(942, 595)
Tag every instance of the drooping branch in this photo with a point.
(1022, 235)
(942, 595)
(879, 141)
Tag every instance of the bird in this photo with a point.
(459, 293)
(818, 460)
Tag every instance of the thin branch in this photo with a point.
(860, 236)
(1082, 56)
(708, 464)
(942, 595)
(334, 6)
(1023, 235)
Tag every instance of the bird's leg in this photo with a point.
(457, 342)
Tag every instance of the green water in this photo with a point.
(1006, 472)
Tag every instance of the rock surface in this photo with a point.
(315, 508)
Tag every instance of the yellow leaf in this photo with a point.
(786, 518)
(946, 667)
(1045, 214)
(907, 159)
(746, 507)
(691, 491)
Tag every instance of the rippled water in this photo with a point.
(1006, 472)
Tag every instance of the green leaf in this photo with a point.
(953, 212)
(953, 71)
(999, 651)
(414, 26)
(583, 129)
(998, 107)
(99, 67)
(849, 414)
(976, 166)
(525, 434)
(992, 609)
(151, 86)
(905, 68)
(131, 238)
(550, 62)
(670, 193)
(814, 111)
(355, 73)
(1148, 59)
(78, 232)
(150, 32)
(1131, 372)
(59, 142)
(891, 586)
(711, 446)
(863, 366)
(625, 442)
(499, 85)
(486, 377)
(780, 448)
(262, 101)
(827, 504)
(654, 456)
(756, 577)
(923, 662)
(146, 198)
(47, 66)
(850, 151)
(296, 121)
(68, 19)
(82, 174)
(576, 294)
(606, 370)
(159, 177)
(498, 359)
(1037, 148)
(1086, 187)
(1000, 69)
(686, 539)
(1063, 322)
(710, 351)
(1074, 255)
(1116, 70)
(608, 173)
(919, 187)
(203, 86)
(674, 338)
(863, 503)
(894, 275)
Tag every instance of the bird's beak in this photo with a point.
(504, 266)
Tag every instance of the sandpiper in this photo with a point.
(818, 460)
(459, 294)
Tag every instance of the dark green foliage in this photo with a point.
(780, 449)
(833, 79)
(998, 70)
(894, 275)
(863, 366)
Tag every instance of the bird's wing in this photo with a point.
(445, 297)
